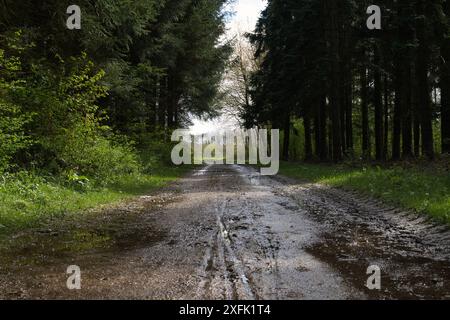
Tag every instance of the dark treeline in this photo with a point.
(381, 94)
(136, 67)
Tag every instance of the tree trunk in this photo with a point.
(164, 103)
(445, 88)
(320, 127)
(171, 102)
(349, 112)
(287, 136)
(335, 83)
(308, 137)
(423, 89)
(416, 134)
(404, 56)
(415, 115)
(387, 108)
(365, 115)
(378, 103)
(407, 109)
(157, 100)
(445, 110)
(397, 123)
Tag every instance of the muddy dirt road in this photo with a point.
(225, 232)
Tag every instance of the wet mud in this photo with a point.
(225, 232)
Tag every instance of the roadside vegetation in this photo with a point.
(86, 115)
(345, 96)
(29, 198)
(422, 187)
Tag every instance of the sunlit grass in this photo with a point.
(26, 199)
(422, 189)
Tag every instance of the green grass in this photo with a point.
(26, 199)
(421, 188)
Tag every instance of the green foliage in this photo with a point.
(12, 119)
(78, 182)
(12, 137)
(65, 98)
(76, 105)
(67, 120)
(86, 152)
(27, 199)
(155, 151)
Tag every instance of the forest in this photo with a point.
(88, 107)
(94, 204)
(85, 112)
(93, 106)
(134, 69)
(358, 93)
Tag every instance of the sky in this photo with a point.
(246, 13)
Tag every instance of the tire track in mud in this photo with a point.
(226, 271)
(223, 270)
(257, 249)
(412, 250)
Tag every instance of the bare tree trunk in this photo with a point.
(378, 103)
(308, 136)
(331, 6)
(287, 135)
(423, 88)
(365, 115)
(321, 130)
(397, 123)
(445, 97)
(387, 107)
(406, 109)
(349, 112)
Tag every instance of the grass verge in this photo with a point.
(26, 199)
(425, 189)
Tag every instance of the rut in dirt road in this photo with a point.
(225, 232)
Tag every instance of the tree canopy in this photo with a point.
(356, 92)
(135, 67)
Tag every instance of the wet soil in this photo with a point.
(225, 232)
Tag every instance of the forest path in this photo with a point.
(225, 232)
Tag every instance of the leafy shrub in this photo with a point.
(87, 152)
(25, 185)
(156, 151)
(12, 136)
(58, 104)
(80, 183)
(12, 119)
